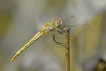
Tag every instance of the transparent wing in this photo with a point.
(48, 41)
(55, 39)
(75, 28)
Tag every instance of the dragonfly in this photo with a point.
(57, 25)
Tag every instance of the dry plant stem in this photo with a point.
(67, 48)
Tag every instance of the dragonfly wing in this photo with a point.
(59, 39)
(47, 40)
(75, 28)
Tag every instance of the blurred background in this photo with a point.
(21, 19)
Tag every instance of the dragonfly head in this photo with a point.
(58, 22)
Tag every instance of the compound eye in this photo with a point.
(60, 21)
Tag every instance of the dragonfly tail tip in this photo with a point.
(12, 59)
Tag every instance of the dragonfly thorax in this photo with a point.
(58, 22)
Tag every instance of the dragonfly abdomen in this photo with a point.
(36, 37)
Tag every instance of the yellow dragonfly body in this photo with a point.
(48, 27)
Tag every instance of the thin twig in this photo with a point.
(67, 48)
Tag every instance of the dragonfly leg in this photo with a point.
(62, 44)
